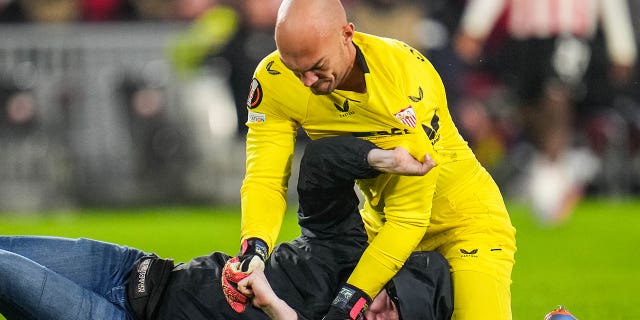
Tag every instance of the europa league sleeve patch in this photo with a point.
(255, 94)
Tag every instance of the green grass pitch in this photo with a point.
(590, 264)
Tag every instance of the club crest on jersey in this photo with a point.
(407, 116)
(255, 94)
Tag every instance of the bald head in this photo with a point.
(305, 22)
(314, 41)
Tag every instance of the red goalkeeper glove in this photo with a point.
(252, 255)
(349, 304)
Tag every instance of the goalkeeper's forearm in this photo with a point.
(385, 255)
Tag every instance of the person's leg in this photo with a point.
(481, 280)
(470, 226)
(92, 270)
(30, 290)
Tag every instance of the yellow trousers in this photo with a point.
(470, 226)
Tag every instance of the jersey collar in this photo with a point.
(360, 59)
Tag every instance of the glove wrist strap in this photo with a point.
(353, 300)
(254, 246)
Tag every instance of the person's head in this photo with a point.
(314, 41)
(420, 290)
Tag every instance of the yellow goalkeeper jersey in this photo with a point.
(404, 105)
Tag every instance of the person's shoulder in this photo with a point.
(271, 69)
(362, 39)
(385, 49)
(391, 57)
(272, 65)
(273, 79)
(271, 58)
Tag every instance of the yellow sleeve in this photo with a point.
(269, 151)
(406, 202)
(268, 168)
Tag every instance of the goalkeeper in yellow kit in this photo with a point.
(330, 80)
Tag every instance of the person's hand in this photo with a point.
(257, 288)
(252, 255)
(382, 307)
(399, 161)
(350, 304)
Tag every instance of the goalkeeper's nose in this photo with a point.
(308, 78)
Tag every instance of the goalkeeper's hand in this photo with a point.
(252, 255)
(349, 304)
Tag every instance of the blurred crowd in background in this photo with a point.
(121, 102)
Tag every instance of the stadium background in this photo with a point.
(118, 121)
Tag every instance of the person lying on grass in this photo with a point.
(60, 278)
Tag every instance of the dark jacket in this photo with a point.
(306, 272)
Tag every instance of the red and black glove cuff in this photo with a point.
(350, 303)
(250, 248)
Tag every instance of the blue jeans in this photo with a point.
(67, 279)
